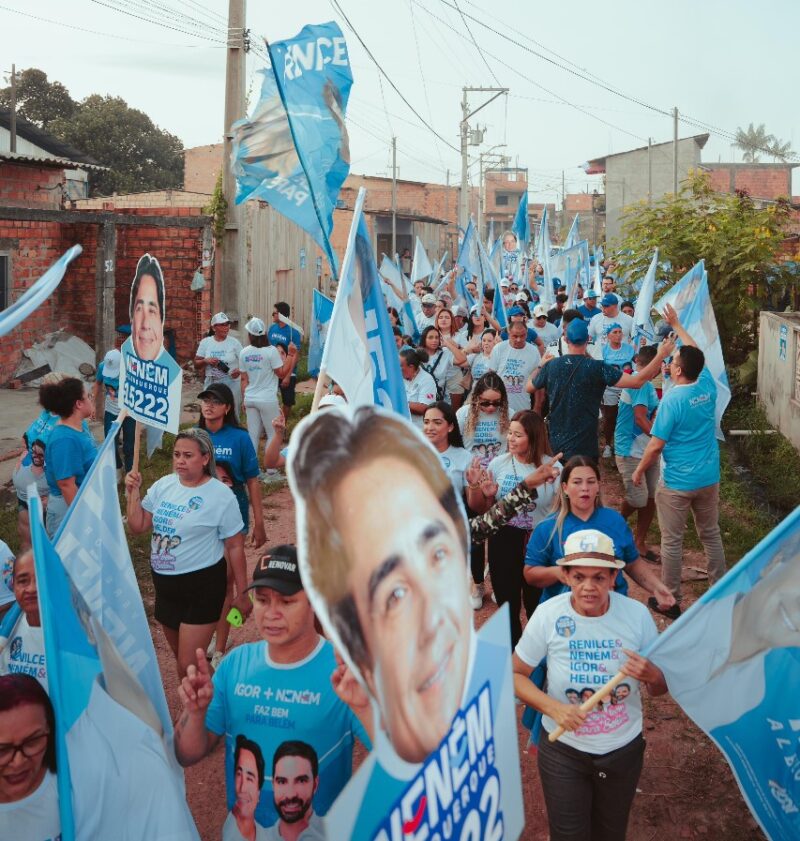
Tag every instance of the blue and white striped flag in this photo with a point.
(321, 311)
(360, 352)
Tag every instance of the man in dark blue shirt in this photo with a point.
(589, 309)
(282, 334)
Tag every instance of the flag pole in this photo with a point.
(592, 702)
(323, 381)
(137, 446)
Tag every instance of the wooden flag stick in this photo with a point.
(323, 380)
(593, 701)
(137, 446)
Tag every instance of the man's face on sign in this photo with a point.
(147, 330)
(293, 786)
(408, 580)
(246, 782)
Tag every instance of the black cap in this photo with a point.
(219, 390)
(278, 570)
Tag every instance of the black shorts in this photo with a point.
(287, 394)
(194, 598)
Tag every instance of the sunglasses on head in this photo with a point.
(488, 404)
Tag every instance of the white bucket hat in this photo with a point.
(590, 548)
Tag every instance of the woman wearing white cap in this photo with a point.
(218, 356)
(262, 369)
(588, 635)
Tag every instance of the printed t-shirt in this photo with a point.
(623, 357)
(228, 351)
(111, 388)
(271, 703)
(585, 652)
(260, 365)
(629, 438)
(190, 525)
(24, 652)
(486, 440)
(422, 389)
(455, 461)
(35, 817)
(575, 384)
(545, 547)
(598, 327)
(514, 365)
(508, 472)
(283, 334)
(478, 365)
(686, 421)
(23, 478)
(68, 453)
(6, 574)
(41, 427)
(233, 445)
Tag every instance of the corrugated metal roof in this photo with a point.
(49, 160)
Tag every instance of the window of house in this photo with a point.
(5, 281)
(501, 200)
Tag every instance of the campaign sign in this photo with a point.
(150, 379)
(383, 550)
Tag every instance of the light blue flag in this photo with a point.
(522, 224)
(691, 299)
(732, 662)
(463, 292)
(573, 237)
(360, 352)
(321, 309)
(437, 271)
(571, 266)
(597, 277)
(496, 256)
(490, 238)
(293, 151)
(499, 308)
(391, 271)
(34, 297)
(644, 331)
(468, 257)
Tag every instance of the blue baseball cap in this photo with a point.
(577, 332)
(516, 311)
(609, 300)
(591, 294)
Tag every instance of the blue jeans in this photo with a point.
(589, 796)
(126, 435)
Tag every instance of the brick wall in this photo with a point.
(201, 166)
(762, 181)
(30, 186)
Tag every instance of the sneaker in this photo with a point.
(217, 659)
(476, 597)
(671, 612)
(607, 451)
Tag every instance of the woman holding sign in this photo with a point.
(589, 775)
(194, 520)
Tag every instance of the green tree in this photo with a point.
(140, 155)
(780, 150)
(39, 101)
(751, 141)
(740, 242)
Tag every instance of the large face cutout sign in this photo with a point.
(150, 380)
(383, 545)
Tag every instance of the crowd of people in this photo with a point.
(516, 415)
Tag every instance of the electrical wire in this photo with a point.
(477, 46)
(163, 23)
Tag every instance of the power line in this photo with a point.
(338, 8)
(477, 47)
(162, 23)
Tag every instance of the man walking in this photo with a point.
(684, 435)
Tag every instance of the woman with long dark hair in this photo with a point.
(440, 427)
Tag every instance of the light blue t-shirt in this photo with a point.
(69, 453)
(690, 459)
(545, 547)
(111, 386)
(233, 445)
(626, 433)
(271, 703)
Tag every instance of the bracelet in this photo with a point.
(473, 487)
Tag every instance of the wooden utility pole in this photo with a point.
(229, 271)
(675, 151)
(13, 118)
(394, 197)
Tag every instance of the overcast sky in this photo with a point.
(721, 62)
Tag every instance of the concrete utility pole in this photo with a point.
(475, 140)
(675, 151)
(13, 118)
(229, 272)
(394, 197)
(649, 170)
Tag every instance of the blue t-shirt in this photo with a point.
(283, 334)
(627, 431)
(271, 703)
(686, 421)
(69, 453)
(111, 387)
(543, 551)
(575, 386)
(587, 313)
(41, 428)
(233, 445)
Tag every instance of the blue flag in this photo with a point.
(573, 237)
(732, 662)
(522, 224)
(468, 257)
(644, 331)
(321, 311)
(391, 271)
(34, 297)
(691, 299)
(293, 151)
(360, 352)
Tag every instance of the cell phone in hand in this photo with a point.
(223, 366)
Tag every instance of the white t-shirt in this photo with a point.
(35, 817)
(190, 524)
(260, 365)
(423, 320)
(230, 830)
(443, 362)
(455, 461)
(515, 365)
(486, 440)
(549, 333)
(6, 572)
(313, 832)
(478, 365)
(422, 389)
(599, 324)
(585, 652)
(228, 351)
(508, 472)
(24, 652)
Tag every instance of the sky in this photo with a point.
(718, 61)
